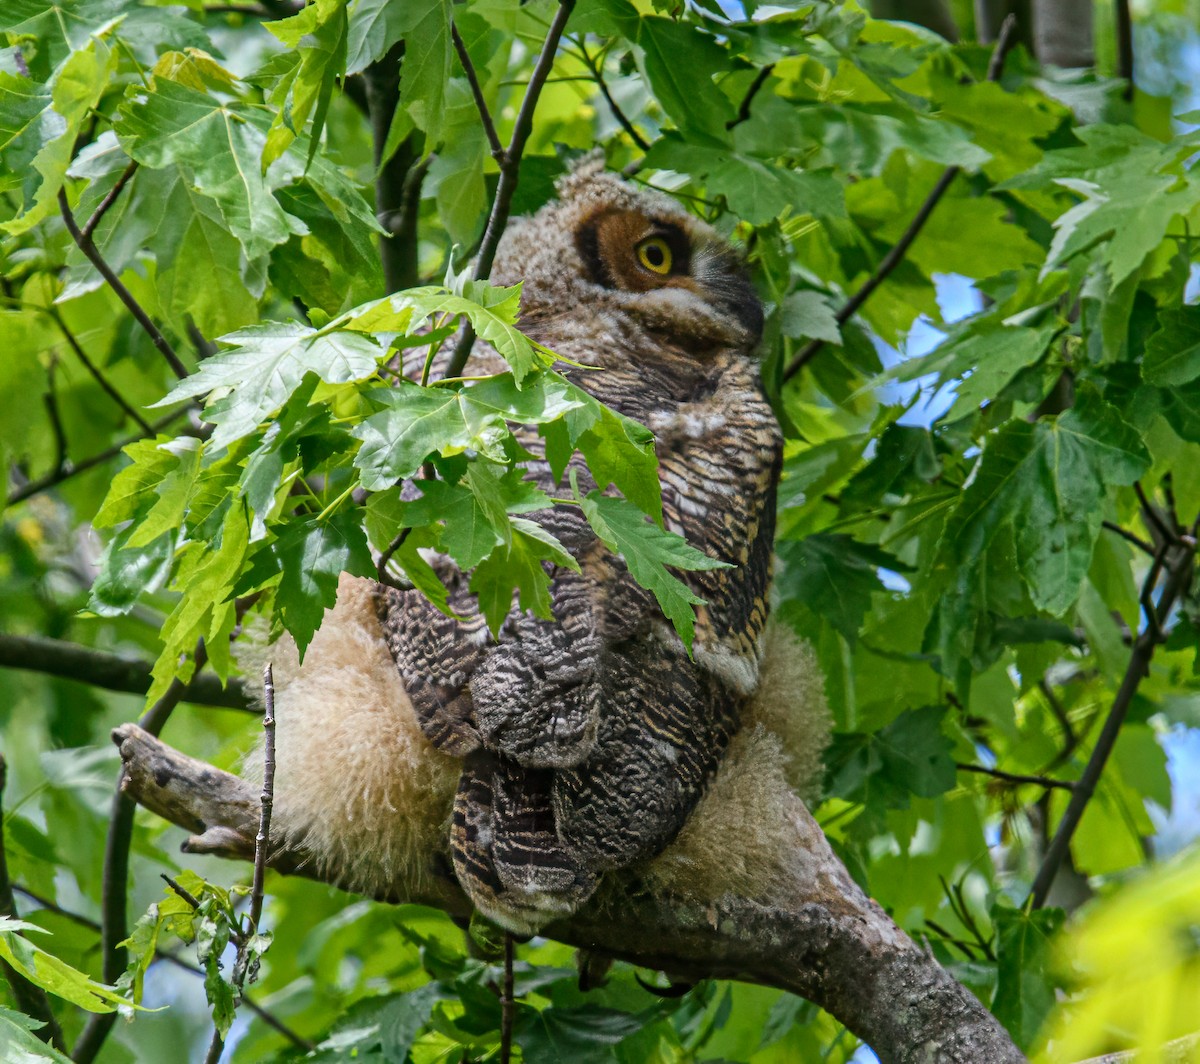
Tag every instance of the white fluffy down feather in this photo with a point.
(359, 786)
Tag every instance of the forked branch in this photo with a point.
(821, 938)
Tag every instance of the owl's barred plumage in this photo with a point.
(586, 740)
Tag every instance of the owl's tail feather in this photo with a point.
(506, 852)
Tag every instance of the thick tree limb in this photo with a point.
(826, 940)
(113, 672)
(394, 192)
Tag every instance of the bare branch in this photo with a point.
(99, 377)
(52, 411)
(268, 1017)
(111, 198)
(30, 998)
(1125, 534)
(743, 112)
(114, 919)
(510, 174)
(819, 937)
(1179, 574)
(622, 119)
(896, 255)
(88, 247)
(113, 672)
(246, 959)
(1016, 778)
(485, 116)
(507, 1001)
(51, 480)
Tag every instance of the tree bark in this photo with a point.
(1062, 32)
(932, 14)
(820, 937)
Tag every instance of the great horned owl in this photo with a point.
(581, 743)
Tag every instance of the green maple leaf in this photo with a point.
(648, 551)
(265, 367)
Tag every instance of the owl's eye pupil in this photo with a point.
(655, 255)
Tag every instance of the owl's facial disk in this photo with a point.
(633, 252)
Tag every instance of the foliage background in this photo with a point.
(940, 533)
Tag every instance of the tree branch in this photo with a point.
(622, 119)
(1178, 562)
(485, 116)
(160, 953)
(30, 998)
(510, 173)
(113, 672)
(114, 919)
(111, 198)
(743, 113)
(88, 247)
(896, 255)
(398, 250)
(1128, 536)
(1014, 777)
(247, 958)
(99, 377)
(819, 936)
(63, 473)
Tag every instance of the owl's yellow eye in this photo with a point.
(655, 254)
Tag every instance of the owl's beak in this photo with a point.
(730, 289)
(742, 301)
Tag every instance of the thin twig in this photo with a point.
(510, 173)
(1153, 517)
(744, 108)
(268, 1017)
(52, 411)
(114, 919)
(381, 568)
(485, 116)
(1064, 721)
(1125, 534)
(29, 998)
(507, 1004)
(182, 892)
(622, 119)
(205, 348)
(1014, 777)
(894, 257)
(51, 480)
(1179, 574)
(246, 958)
(88, 247)
(99, 377)
(109, 199)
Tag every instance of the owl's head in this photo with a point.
(608, 250)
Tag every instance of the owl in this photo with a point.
(583, 741)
